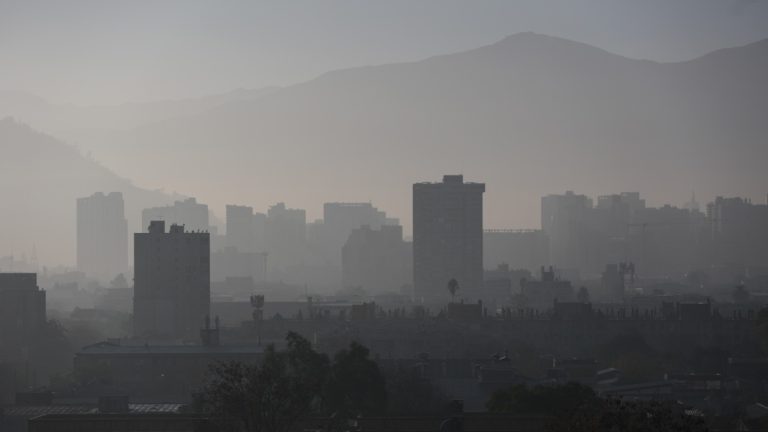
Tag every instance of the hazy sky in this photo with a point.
(106, 52)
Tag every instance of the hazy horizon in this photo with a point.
(179, 50)
(176, 98)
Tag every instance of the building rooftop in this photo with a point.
(109, 348)
(18, 280)
(40, 410)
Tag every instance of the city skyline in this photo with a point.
(393, 215)
(155, 152)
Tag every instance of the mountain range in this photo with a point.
(40, 180)
(528, 115)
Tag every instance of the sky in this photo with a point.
(109, 52)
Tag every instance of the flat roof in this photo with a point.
(108, 348)
(41, 410)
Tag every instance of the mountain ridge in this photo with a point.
(529, 115)
(40, 184)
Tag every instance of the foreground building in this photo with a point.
(22, 317)
(22, 306)
(448, 237)
(170, 372)
(172, 282)
(102, 236)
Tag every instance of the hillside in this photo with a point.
(528, 115)
(40, 178)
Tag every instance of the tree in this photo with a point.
(410, 394)
(609, 415)
(310, 369)
(453, 288)
(288, 386)
(272, 396)
(630, 353)
(356, 386)
(544, 400)
(576, 408)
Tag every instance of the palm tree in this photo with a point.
(453, 287)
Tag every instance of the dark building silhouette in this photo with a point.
(174, 372)
(190, 213)
(542, 294)
(102, 236)
(448, 237)
(22, 307)
(172, 282)
(378, 260)
(22, 319)
(501, 283)
(615, 279)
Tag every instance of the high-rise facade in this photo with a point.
(242, 230)
(565, 220)
(286, 236)
(339, 219)
(102, 236)
(448, 238)
(22, 307)
(377, 260)
(172, 282)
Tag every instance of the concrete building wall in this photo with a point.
(448, 237)
(378, 260)
(102, 236)
(172, 282)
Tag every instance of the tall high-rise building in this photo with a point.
(377, 260)
(565, 220)
(448, 237)
(286, 235)
(102, 236)
(241, 228)
(22, 307)
(172, 282)
(22, 318)
(339, 219)
(190, 213)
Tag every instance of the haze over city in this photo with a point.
(69, 70)
(384, 215)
